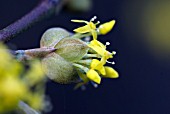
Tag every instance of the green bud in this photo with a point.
(71, 49)
(58, 69)
(52, 36)
(58, 64)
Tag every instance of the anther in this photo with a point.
(98, 22)
(114, 52)
(95, 17)
(107, 43)
(113, 63)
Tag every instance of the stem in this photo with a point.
(45, 9)
(79, 35)
(30, 54)
(81, 67)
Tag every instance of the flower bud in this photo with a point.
(58, 64)
(58, 69)
(106, 27)
(110, 73)
(52, 36)
(93, 75)
(71, 49)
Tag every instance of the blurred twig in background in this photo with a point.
(45, 9)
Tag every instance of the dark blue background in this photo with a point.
(144, 83)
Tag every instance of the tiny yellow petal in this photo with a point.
(108, 55)
(98, 65)
(106, 27)
(79, 21)
(110, 73)
(94, 76)
(101, 69)
(94, 63)
(103, 60)
(92, 25)
(94, 34)
(97, 43)
(98, 49)
(83, 29)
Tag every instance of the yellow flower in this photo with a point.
(13, 84)
(107, 72)
(35, 73)
(98, 65)
(96, 50)
(101, 50)
(90, 27)
(11, 91)
(94, 76)
(110, 73)
(106, 27)
(36, 100)
(8, 66)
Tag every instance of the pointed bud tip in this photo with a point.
(111, 73)
(94, 76)
(106, 27)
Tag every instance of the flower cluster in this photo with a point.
(92, 66)
(16, 83)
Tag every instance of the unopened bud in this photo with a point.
(71, 49)
(58, 69)
(58, 64)
(106, 27)
(52, 36)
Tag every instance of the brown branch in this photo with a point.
(45, 9)
(29, 54)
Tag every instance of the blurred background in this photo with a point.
(141, 38)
